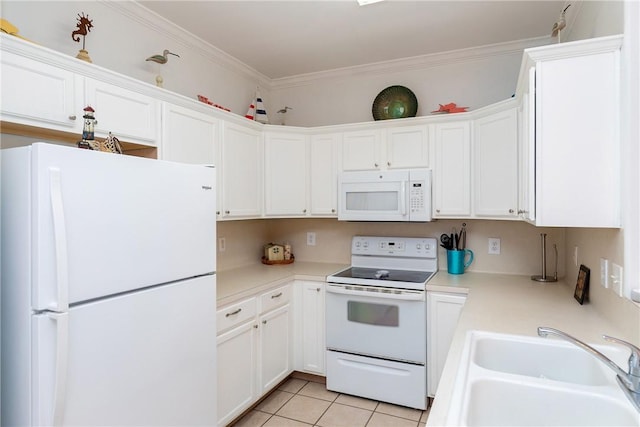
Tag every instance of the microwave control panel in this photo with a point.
(416, 196)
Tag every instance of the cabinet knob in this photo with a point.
(317, 289)
(72, 117)
(227, 212)
(438, 210)
(264, 322)
(510, 210)
(388, 163)
(217, 212)
(255, 326)
(376, 165)
(304, 211)
(333, 211)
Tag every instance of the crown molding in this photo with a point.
(413, 63)
(158, 24)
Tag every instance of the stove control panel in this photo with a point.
(412, 247)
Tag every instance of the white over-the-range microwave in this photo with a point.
(392, 195)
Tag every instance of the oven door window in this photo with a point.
(373, 314)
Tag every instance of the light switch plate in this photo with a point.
(604, 272)
(616, 279)
(222, 244)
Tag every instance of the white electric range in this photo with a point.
(376, 319)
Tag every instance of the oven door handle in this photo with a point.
(374, 292)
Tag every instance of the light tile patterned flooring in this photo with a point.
(304, 403)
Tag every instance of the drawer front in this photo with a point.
(275, 298)
(235, 314)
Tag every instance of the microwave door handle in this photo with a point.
(403, 197)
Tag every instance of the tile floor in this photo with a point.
(304, 403)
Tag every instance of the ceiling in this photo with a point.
(288, 38)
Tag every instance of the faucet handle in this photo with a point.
(634, 359)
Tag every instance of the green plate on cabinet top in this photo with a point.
(395, 102)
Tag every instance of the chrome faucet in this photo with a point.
(628, 381)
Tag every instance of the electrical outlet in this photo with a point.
(494, 245)
(616, 279)
(575, 256)
(222, 244)
(604, 272)
(311, 238)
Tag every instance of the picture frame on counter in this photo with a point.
(581, 293)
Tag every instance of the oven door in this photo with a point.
(380, 322)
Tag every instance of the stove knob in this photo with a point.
(357, 244)
(366, 244)
(418, 246)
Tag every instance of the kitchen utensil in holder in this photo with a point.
(544, 277)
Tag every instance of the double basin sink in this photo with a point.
(513, 380)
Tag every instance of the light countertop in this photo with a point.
(503, 303)
(239, 283)
(511, 304)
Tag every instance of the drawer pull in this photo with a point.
(233, 313)
(278, 295)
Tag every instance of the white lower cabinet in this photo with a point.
(237, 371)
(309, 327)
(443, 311)
(254, 350)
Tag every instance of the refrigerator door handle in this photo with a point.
(60, 237)
(60, 385)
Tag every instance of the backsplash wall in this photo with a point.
(520, 242)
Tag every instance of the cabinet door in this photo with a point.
(188, 136)
(286, 159)
(275, 347)
(311, 324)
(362, 150)
(495, 154)
(443, 311)
(40, 95)
(577, 141)
(241, 172)
(452, 172)
(237, 371)
(407, 147)
(129, 115)
(323, 175)
(526, 159)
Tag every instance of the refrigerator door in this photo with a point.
(146, 358)
(104, 224)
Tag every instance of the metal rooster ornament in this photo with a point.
(559, 25)
(161, 59)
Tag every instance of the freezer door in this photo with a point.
(147, 358)
(105, 224)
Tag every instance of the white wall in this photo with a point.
(124, 36)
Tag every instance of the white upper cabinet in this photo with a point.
(323, 174)
(242, 172)
(189, 136)
(362, 150)
(129, 115)
(495, 165)
(407, 147)
(391, 148)
(286, 174)
(41, 95)
(452, 170)
(577, 127)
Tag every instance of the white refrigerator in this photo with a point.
(108, 289)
